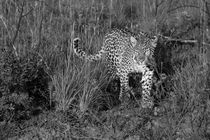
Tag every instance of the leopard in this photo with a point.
(126, 52)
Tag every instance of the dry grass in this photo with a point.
(78, 90)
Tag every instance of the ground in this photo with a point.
(46, 92)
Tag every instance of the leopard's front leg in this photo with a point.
(124, 87)
(147, 100)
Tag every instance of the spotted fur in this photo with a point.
(126, 52)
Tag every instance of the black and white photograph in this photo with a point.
(104, 69)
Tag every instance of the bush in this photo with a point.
(23, 84)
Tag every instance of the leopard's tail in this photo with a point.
(82, 53)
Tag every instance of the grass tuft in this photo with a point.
(47, 92)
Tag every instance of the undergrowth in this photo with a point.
(47, 92)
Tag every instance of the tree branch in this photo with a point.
(18, 24)
(184, 6)
(182, 40)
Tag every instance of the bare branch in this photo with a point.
(159, 4)
(184, 6)
(182, 40)
(28, 12)
(18, 24)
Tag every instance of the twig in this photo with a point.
(18, 25)
(24, 15)
(182, 40)
(161, 2)
(185, 6)
(12, 41)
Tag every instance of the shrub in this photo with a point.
(23, 84)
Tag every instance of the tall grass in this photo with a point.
(46, 28)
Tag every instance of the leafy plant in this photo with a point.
(24, 84)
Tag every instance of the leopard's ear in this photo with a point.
(133, 41)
